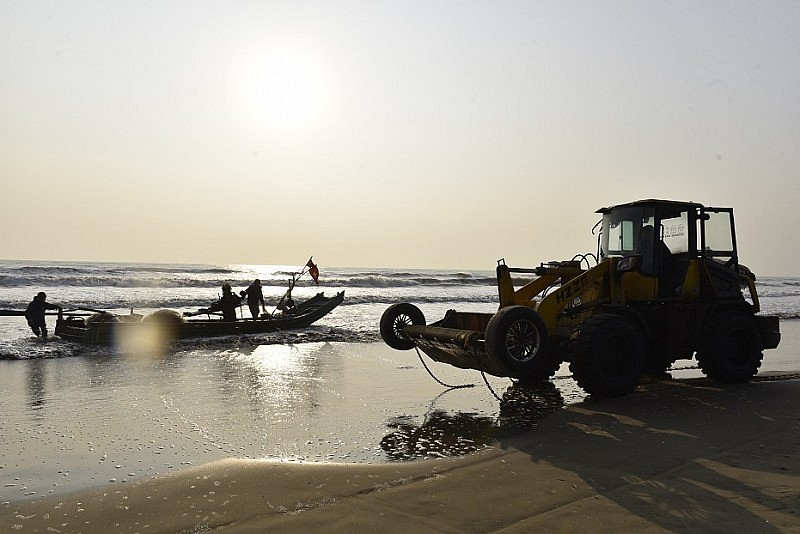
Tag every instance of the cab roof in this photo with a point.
(655, 203)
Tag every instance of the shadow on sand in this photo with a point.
(683, 454)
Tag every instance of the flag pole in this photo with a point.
(295, 277)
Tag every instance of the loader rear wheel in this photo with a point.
(731, 351)
(394, 319)
(607, 356)
(517, 337)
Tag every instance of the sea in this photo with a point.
(75, 416)
(144, 288)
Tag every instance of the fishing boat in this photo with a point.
(92, 326)
(109, 328)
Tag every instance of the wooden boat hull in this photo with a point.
(110, 328)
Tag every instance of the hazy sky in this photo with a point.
(441, 134)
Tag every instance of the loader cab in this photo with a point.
(678, 249)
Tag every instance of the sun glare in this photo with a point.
(284, 91)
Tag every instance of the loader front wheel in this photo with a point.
(394, 319)
(517, 337)
(607, 356)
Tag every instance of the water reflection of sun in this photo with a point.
(283, 90)
(281, 371)
(278, 358)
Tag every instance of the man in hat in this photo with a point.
(35, 314)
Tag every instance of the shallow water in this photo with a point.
(109, 418)
(104, 418)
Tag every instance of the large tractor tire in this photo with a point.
(517, 338)
(607, 356)
(394, 319)
(730, 351)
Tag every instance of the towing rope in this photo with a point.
(437, 380)
(480, 368)
(488, 385)
(483, 374)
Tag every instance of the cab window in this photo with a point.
(623, 231)
(718, 236)
(675, 233)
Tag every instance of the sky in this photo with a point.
(416, 134)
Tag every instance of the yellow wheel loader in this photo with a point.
(666, 284)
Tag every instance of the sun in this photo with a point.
(283, 90)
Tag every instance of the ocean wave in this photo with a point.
(132, 281)
(115, 267)
(385, 280)
(27, 349)
(785, 315)
(312, 334)
(778, 281)
(92, 281)
(16, 274)
(780, 292)
(188, 269)
(97, 301)
(32, 269)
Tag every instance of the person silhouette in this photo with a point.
(35, 311)
(229, 301)
(255, 298)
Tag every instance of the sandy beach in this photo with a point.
(577, 192)
(678, 455)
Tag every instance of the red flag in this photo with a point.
(313, 270)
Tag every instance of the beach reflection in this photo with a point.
(36, 385)
(440, 434)
(523, 407)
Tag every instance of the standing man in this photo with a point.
(254, 298)
(35, 314)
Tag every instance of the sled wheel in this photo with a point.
(168, 318)
(731, 351)
(517, 337)
(394, 319)
(168, 322)
(607, 356)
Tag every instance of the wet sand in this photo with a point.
(75, 423)
(682, 454)
(679, 455)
